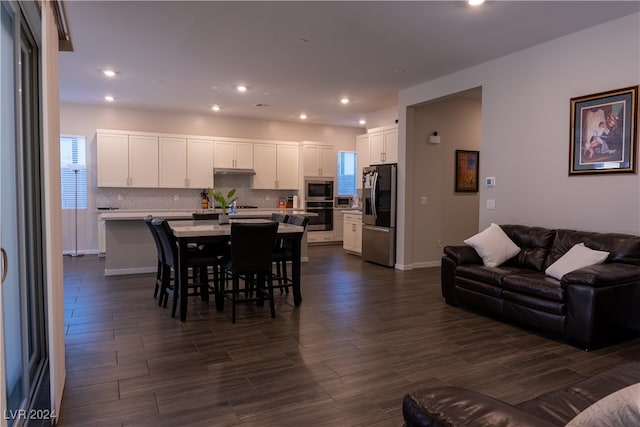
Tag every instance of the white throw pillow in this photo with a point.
(621, 408)
(577, 257)
(493, 245)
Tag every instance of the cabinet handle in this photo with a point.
(5, 267)
(353, 227)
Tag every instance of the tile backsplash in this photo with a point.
(181, 198)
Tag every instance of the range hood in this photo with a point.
(233, 171)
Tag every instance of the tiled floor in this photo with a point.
(363, 336)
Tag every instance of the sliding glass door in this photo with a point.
(23, 350)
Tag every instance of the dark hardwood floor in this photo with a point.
(363, 337)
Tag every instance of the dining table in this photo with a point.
(188, 232)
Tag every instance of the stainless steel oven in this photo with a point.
(318, 190)
(324, 219)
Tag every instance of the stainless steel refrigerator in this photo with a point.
(379, 214)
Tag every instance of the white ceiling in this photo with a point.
(297, 56)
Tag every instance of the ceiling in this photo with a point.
(296, 57)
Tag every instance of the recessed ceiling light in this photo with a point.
(475, 2)
(362, 122)
(109, 98)
(109, 72)
(215, 107)
(241, 88)
(303, 116)
(344, 100)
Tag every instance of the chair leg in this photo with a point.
(158, 279)
(269, 288)
(164, 285)
(284, 275)
(235, 289)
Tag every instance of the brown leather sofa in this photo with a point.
(453, 406)
(589, 307)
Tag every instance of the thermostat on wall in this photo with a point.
(490, 181)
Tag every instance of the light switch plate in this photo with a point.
(491, 204)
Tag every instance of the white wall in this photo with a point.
(83, 120)
(525, 133)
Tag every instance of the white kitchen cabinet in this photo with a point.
(127, 160)
(362, 157)
(383, 145)
(352, 240)
(276, 168)
(113, 160)
(319, 160)
(199, 163)
(172, 162)
(185, 163)
(232, 154)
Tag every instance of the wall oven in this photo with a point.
(318, 190)
(324, 220)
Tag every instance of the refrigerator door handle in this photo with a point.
(374, 189)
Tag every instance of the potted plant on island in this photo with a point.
(224, 201)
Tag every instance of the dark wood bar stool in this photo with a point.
(284, 254)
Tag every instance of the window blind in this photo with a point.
(73, 158)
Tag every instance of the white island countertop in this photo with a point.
(110, 215)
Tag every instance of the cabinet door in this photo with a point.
(348, 235)
(328, 161)
(143, 161)
(311, 160)
(244, 155)
(172, 162)
(362, 157)
(390, 145)
(358, 236)
(376, 148)
(113, 160)
(338, 225)
(199, 163)
(266, 168)
(223, 154)
(287, 167)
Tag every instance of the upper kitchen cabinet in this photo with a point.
(229, 154)
(362, 157)
(199, 163)
(185, 163)
(383, 145)
(277, 168)
(127, 160)
(319, 160)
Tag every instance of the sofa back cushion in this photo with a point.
(534, 242)
(623, 248)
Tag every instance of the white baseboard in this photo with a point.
(425, 264)
(123, 271)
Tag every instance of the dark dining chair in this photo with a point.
(161, 275)
(282, 218)
(284, 254)
(197, 260)
(251, 257)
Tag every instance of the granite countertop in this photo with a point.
(128, 214)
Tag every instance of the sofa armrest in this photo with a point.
(462, 254)
(454, 406)
(602, 275)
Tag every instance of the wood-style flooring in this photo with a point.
(363, 337)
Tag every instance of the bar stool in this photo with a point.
(284, 254)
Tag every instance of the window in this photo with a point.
(346, 173)
(73, 161)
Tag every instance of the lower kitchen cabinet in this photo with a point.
(352, 240)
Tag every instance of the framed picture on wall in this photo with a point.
(604, 132)
(467, 170)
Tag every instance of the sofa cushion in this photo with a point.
(493, 245)
(621, 408)
(537, 303)
(577, 257)
(534, 242)
(534, 284)
(493, 275)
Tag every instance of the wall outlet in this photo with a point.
(423, 200)
(176, 197)
(491, 204)
(440, 243)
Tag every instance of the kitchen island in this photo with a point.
(128, 247)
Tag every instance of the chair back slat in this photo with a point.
(169, 244)
(156, 239)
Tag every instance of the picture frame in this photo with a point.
(467, 171)
(604, 132)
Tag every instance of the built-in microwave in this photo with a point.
(342, 202)
(318, 190)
